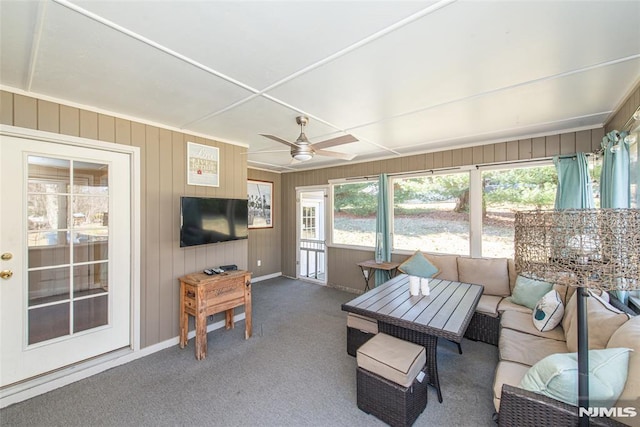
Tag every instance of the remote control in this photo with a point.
(208, 271)
(217, 270)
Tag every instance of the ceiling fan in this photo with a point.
(302, 150)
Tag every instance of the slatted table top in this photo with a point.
(445, 313)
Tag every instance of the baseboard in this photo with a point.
(267, 277)
(46, 383)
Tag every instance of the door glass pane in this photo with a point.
(49, 172)
(49, 285)
(90, 313)
(48, 249)
(46, 211)
(67, 230)
(90, 279)
(90, 178)
(48, 322)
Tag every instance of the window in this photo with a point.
(354, 213)
(507, 191)
(431, 213)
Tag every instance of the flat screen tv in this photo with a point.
(205, 220)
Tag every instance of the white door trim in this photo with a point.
(134, 164)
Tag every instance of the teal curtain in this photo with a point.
(615, 191)
(574, 183)
(383, 240)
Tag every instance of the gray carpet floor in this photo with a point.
(294, 371)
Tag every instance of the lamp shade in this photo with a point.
(592, 248)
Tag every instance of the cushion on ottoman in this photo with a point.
(392, 358)
(363, 323)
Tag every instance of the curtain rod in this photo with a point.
(359, 178)
(542, 159)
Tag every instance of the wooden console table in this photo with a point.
(202, 295)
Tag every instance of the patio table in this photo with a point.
(444, 313)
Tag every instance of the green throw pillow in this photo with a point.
(556, 376)
(419, 266)
(528, 292)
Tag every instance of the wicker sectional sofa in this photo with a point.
(501, 322)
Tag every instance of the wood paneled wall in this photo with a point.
(622, 116)
(163, 181)
(342, 269)
(265, 243)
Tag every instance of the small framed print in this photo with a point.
(203, 165)
(260, 195)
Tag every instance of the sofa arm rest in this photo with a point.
(528, 409)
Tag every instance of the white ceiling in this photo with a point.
(401, 76)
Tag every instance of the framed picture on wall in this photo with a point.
(260, 194)
(203, 165)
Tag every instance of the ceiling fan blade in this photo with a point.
(280, 140)
(266, 151)
(335, 154)
(344, 139)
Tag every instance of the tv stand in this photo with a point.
(202, 295)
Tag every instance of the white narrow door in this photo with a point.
(65, 253)
(312, 256)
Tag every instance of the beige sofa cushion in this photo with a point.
(527, 349)
(603, 319)
(363, 323)
(507, 305)
(523, 322)
(628, 336)
(492, 273)
(447, 265)
(488, 304)
(510, 373)
(397, 360)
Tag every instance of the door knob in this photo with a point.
(6, 256)
(6, 274)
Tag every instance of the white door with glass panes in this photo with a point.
(311, 235)
(66, 256)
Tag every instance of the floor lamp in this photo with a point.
(586, 248)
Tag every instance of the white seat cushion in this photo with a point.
(510, 373)
(527, 349)
(362, 323)
(392, 358)
(628, 335)
(488, 304)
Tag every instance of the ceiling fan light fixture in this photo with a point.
(303, 157)
(302, 153)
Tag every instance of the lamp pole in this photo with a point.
(583, 355)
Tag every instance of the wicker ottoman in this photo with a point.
(390, 380)
(360, 329)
